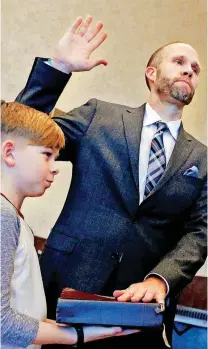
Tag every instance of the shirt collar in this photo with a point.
(150, 117)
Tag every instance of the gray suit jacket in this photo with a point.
(102, 228)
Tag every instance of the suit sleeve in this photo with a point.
(180, 265)
(43, 88)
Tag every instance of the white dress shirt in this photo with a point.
(148, 131)
(169, 138)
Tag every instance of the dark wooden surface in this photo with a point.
(39, 244)
(194, 295)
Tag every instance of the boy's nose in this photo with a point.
(55, 171)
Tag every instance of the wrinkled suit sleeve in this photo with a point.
(180, 265)
(43, 88)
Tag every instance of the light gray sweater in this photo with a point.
(17, 330)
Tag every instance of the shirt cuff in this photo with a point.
(58, 66)
(161, 277)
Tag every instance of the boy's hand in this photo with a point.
(151, 288)
(92, 333)
(76, 46)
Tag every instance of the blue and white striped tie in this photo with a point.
(157, 159)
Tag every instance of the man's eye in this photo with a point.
(179, 62)
(196, 71)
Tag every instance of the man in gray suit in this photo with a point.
(134, 220)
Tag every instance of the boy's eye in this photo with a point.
(179, 62)
(48, 154)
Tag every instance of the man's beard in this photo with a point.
(167, 86)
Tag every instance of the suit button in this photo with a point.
(114, 255)
(117, 256)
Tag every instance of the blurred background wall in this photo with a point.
(135, 29)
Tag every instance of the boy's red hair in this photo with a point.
(23, 121)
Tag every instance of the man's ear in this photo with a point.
(151, 73)
(8, 148)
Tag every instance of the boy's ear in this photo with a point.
(8, 148)
(151, 74)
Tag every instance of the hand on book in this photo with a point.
(153, 288)
(92, 333)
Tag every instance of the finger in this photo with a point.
(127, 295)
(110, 331)
(148, 296)
(75, 25)
(118, 293)
(115, 329)
(92, 63)
(90, 34)
(127, 332)
(97, 41)
(84, 27)
(138, 295)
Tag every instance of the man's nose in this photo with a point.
(188, 72)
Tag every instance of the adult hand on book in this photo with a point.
(153, 288)
(73, 52)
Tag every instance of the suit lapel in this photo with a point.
(133, 122)
(181, 151)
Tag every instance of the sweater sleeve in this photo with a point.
(16, 329)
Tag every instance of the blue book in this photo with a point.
(76, 307)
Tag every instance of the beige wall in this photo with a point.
(135, 28)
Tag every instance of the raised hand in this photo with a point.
(78, 43)
(151, 288)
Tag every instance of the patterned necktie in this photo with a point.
(157, 160)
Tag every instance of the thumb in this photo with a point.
(160, 299)
(160, 296)
(95, 62)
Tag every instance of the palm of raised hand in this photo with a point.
(76, 46)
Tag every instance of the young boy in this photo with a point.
(30, 144)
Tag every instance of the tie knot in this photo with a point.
(161, 126)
